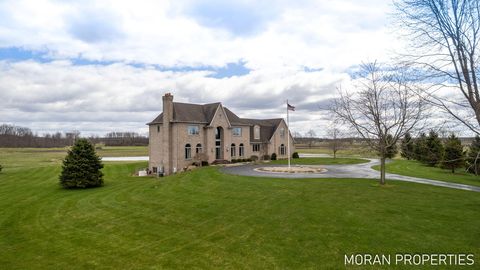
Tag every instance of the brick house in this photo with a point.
(185, 133)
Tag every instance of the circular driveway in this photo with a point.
(362, 170)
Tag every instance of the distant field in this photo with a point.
(417, 169)
(321, 161)
(35, 157)
(349, 151)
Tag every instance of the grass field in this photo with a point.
(205, 219)
(321, 161)
(417, 169)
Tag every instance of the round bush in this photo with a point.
(274, 156)
(295, 155)
(81, 167)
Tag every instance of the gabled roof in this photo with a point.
(197, 113)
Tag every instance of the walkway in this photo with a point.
(363, 170)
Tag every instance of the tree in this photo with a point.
(445, 37)
(335, 143)
(407, 147)
(434, 149)
(392, 148)
(382, 104)
(420, 148)
(473, 157)
(81, 167)
(453, 157)
(311, 135)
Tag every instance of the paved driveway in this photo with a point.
(363, 170)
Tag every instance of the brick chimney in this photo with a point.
(167, 132)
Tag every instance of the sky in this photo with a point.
(101, 66)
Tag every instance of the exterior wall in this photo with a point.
(277, 140)
(237, 140)
(181, 138)
(155, 147)
(219, 120)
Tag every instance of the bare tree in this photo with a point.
(335, 143)
(445, 37)
(383, 104)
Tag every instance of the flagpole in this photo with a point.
(288, 137)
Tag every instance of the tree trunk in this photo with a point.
(334, 154)
(382, 171)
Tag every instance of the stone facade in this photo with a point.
(184, 134)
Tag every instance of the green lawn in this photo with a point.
(321, 161)
(417, 169)
(206, 219)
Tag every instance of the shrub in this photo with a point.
(392, 150)
(295, 155)
(205, 163)
(407, 147)
(435, 150)
(249, 160)
(81, 167)
(473, 157)
(274, 156)
(453, 157)
(1, 168)
(266, 157)
(253, 158)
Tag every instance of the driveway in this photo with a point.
(363, 170)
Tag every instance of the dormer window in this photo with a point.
(256, 132)
(193, 130)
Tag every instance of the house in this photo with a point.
(186, 133)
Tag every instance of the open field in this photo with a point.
(35, 157)
(320, 161)
(417, 169)
(206, 219)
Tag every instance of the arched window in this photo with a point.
(256, 132)
(282, 150)
(188, 151)
(241, 152)
(198, 149)
(232, 150)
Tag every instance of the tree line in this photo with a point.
(448, 154)
(16, 136)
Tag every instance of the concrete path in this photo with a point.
(363, 170)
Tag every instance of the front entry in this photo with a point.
(219, 143)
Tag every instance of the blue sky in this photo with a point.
(100, 66)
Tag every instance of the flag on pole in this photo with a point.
(290, 107)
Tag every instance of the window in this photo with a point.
(154, 169)
(241, 151)
(282, 132)
(193, 130)
(237, 131)
(158, 128)
(198, 149)
(282, 150)
(256, 147)
(256, 132)
(188, 151)
(232, 150)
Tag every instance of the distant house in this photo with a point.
(185, 133)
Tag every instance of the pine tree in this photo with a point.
(420, 147)
(392, 150)
(453, 157)
(407, 147)
(435, 149)
(81, 167)
(473, 157)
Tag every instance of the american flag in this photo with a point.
(290, 107)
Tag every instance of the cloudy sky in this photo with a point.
(99, 66)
